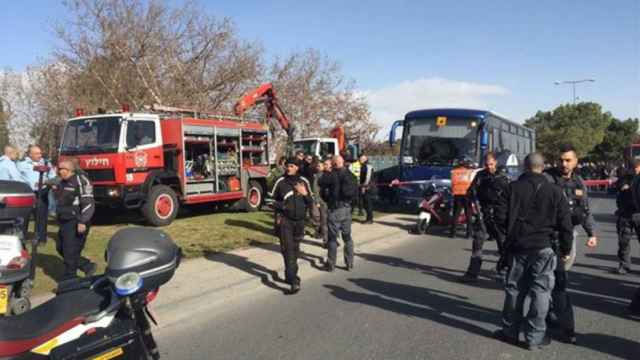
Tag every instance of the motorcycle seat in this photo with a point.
(21, 333)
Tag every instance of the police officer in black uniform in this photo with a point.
(561, 314)
(75, 207)
(627, 200)
(292, 195)
(489, 190)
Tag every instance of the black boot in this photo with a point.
(474, 269)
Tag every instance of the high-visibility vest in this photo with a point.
(461, 179)
(355, 169)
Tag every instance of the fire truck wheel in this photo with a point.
(161, 206)
(255, 196)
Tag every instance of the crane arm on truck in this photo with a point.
(265, 94)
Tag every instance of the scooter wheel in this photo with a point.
(26, 288)
(20, 306)
(423, 226)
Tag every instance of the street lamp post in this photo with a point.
(573, 85)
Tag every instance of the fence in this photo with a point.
(602, 186)
(380, 162)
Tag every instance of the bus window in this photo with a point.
(491, 140)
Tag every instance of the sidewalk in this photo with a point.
(206, 282)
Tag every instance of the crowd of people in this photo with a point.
(533, 220)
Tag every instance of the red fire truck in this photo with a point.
(157, 160)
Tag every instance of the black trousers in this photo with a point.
(367, 202)
(626, 228)
(635, 303)
(561, 312)
(494, 231)
(460, 203)
(70, 245)
(291, 234)
(40, 216)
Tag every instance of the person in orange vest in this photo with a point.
(461, 179)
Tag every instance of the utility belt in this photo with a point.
(66, 213)
(578, 213)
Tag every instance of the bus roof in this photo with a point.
(456, 113)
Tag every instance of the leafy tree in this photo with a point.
(618, 135)
(583, 125)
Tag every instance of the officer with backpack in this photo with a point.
(338, 189)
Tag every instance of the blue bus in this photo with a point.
(434, 139)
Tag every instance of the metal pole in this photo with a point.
(574, 92)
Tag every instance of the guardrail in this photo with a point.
(602, 185)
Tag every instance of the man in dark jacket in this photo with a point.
(536, 210)
(292, 196)
(489, 190)
(75, 207)
(561, 314)
(628, 201)
(627, 190)
(338, 189)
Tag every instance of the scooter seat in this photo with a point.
(21, 333)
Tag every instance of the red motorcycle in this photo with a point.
(437, 207)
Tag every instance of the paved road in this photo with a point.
(403, 301)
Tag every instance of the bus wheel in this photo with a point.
(161, 206)
(255, 196)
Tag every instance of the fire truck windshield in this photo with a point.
(97, 135)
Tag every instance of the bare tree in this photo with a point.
(318, 97)
(143, 52)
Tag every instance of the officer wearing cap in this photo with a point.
(292, 195)
(75, 208)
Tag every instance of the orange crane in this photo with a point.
(265, 94)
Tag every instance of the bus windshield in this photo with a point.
(91, 136)
(425, 143)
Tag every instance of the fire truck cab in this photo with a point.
(157, 161)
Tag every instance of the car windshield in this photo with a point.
(429, 144)
(91, 135)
